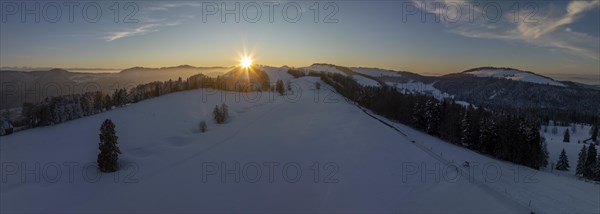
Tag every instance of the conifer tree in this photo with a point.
(465, 128)
(203, 127)
(218, 115)
(597, 170)
(590, 162)
(566, 137)
(109, 150)
(279, 87)
(563, 161)
(594, 133)
(581, 161)
(225, 111)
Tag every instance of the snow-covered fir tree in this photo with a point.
(563, 161)
(465, 129)
(489, 135)
(432, 116)
(203, 126)
(590, 162)
(594, 133)
(109, 150)
(581, 161)
(566, 136)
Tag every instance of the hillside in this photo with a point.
(363, 164)
(490, 86)
(513, 74)
(34, 86)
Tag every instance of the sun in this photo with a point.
(246, 62)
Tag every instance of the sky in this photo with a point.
(548, 37)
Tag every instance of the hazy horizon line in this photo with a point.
(97, 70)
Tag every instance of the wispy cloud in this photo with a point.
(169, 5)
(149, 23)
(550, 30)
(140, 30)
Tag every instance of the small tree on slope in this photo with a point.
(109, 150)
(218, 114)
(581, 161)
(563, 161)
(566, 137)
(594, 132)
(597, 169)
(203, 127)
(590, 162)
(225, 111)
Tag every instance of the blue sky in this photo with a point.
(561, 37)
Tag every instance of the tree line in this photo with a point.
(497, 133)
(59, 109)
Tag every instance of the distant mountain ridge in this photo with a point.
(33, 86)
(488, 86)
(479, 86)
(512, 74)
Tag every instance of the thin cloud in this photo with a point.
(141, 30)
(546, 32)
(170, 5)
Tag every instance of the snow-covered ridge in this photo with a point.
(325, 68)
(360, 79)
(364, 81)
(420, 88)
(513, 74)
(376, 72)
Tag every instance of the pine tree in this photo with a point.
(566, 137)
(109, 150)
(544, 153)
(279, 87)
(594, 132)
(218, 115)
(225, 111)
(489, 135)
(432, 116)
(418, 116)
(537, 155)
(203, 127)
(590, 162)
(597, 169)
(581, 161)
(563, 161)
(465, 128)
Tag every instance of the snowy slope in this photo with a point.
(160, 137)
(513, 74)
(332, 69)
(324, 68)
(420, 88)
(376, 72)
(362, 164)
(364, 81)
(542, 191)
(277, 73)
(572, 148)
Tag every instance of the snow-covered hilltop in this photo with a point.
(306, 151)
(376, 72)
(513, 74)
